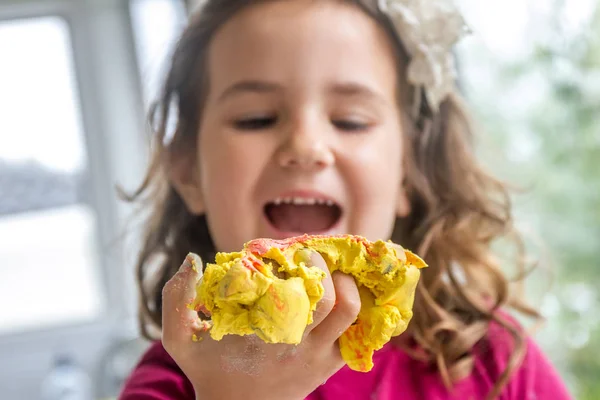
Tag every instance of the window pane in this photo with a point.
(48, 261)
(156, 25)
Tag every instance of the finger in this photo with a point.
(345, 312)
(178, 320)
(327, 302)
(398, 251)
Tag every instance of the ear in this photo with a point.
(403, 206)
(183, 174)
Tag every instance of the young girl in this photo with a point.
(329, 117)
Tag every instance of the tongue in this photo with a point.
(302, 218)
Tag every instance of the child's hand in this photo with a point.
(246, 367)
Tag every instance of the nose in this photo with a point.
(305, 150)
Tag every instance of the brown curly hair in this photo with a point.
(457, 208)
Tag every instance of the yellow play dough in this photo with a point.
(270, 290)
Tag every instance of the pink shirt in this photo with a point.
(395, 376)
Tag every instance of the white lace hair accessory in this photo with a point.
(428, 30)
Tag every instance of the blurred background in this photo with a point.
(76, 78)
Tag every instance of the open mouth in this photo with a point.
(303, 215)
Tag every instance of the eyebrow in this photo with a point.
(251, 86)
(355, 89)
(348, 89)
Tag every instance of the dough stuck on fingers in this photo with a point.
(269, 290)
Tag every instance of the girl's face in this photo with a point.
(301, 128)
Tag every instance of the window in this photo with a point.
(49, 271)
(156, 26)
(532, 72)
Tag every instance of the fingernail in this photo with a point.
(310, 257)
(398, 251)
(187, 263)
(192, 261)
(305, 255)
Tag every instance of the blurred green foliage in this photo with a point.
(541, 120)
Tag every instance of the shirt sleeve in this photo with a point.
(537, 378)
(157, 377)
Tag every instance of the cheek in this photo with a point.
(229, 171)
(374, 176)
(378, 162)
(225, 175)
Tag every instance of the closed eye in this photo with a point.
(350, 126)
(255, 123)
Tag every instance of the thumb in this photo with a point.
(179, 320)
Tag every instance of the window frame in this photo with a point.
(112, 119)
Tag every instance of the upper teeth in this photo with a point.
(302, 201)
